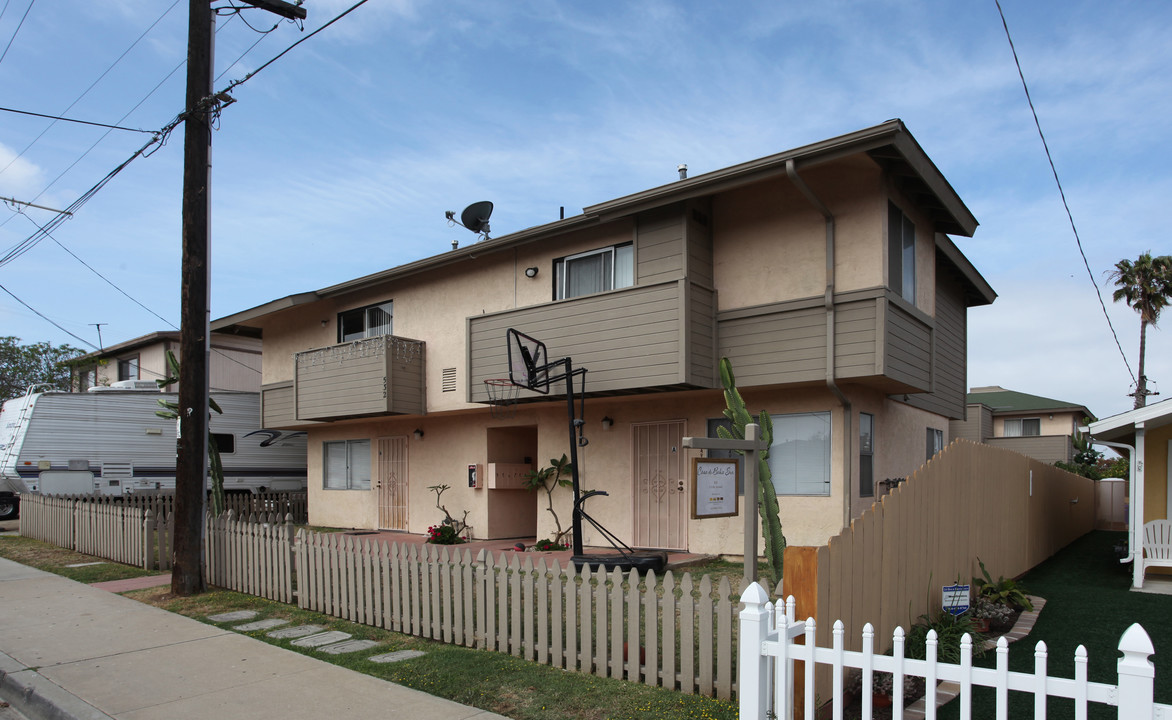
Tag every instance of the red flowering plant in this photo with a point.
(443, 535)
(548, 545)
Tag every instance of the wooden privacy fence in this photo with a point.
(970, 501)
(770, 647)
(657, 631)
(123, 533)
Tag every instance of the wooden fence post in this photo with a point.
(148, 540)
(753, 690)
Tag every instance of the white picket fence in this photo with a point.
(769, 648)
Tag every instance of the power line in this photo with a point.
(91, 87)
(1061, 192)
(17, 30)
(63, 119)
(46, 319)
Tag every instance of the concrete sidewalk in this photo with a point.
(69, 650)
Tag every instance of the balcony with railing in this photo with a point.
(365, 378)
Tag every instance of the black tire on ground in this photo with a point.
(9, 508)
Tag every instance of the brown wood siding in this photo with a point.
(659, 247)
(778, 347)
(950, 352)
(700, 342)
(276, 405)
(907, 348)
(855, 331)
(1046, 448)
(627, 339)
(376, 376)
(699, 244)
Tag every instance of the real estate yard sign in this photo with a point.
(714, 487)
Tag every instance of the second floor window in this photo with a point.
(365, 322)
(1023, 427)
(128, 368)
(594, 271)
(901, 253)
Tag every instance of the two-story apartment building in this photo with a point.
(824, 273)
(1040, 427)
(233, 364)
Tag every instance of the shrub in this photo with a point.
(1002, 590)
(548, 545)
(443, 535)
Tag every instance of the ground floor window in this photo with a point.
(346, 464)
(799, 458)
(866, 455)
(935, 442)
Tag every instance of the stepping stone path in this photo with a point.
(348, 646)
(326, 638)
(296, 632)
(261, 625)
(397, 656)
(233, 616)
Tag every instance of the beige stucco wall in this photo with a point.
(762, 255)
(1156, 478)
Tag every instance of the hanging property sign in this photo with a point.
(714, 487)
(955, 599)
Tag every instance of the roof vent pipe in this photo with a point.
(683, 171)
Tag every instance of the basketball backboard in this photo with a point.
(528, 362)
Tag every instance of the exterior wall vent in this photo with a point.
(449, 380)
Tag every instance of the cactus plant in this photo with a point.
(740, 416)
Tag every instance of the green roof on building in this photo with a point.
(1007, 402)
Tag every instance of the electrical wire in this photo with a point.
(17, 30)
(46, 319)
(87, 90)
(1061, 192)
(63, 119)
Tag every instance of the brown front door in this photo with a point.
(660, 485)
(391, 479)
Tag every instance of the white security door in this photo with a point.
(391, 481)
(660, 485)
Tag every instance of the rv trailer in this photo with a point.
(111, 442)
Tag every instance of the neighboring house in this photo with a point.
(1032, 425)
(824, 273)
(234, 362)
(1145, 435)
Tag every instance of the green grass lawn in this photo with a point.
(1088, 603)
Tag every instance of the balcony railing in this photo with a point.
(365, 378)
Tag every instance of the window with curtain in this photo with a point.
(128, 368)
(595, 271)
(799, 458)
(366, 322)
(1023, 427)
(346, 465)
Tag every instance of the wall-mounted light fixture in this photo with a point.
(606, 422)
(531, 272)
(418, 434)
(325, 322)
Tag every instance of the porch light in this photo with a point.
(606, 423)
(531, 272)
(418, 434)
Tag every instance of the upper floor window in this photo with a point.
(901, 255)
(594, 271)
(1023, 427)
(128, 368)
(365, 322)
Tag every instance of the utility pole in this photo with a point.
(191, 459)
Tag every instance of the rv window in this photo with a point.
(225, 442)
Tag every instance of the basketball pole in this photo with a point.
(576, 515)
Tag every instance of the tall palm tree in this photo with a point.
(1146, 285)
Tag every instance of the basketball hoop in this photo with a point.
(502, 397)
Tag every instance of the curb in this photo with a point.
(38, 698)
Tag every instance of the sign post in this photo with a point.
(751, 446)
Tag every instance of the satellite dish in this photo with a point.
(475, 217)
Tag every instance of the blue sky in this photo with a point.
(340, 158)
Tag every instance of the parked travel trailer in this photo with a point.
(111, 442)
